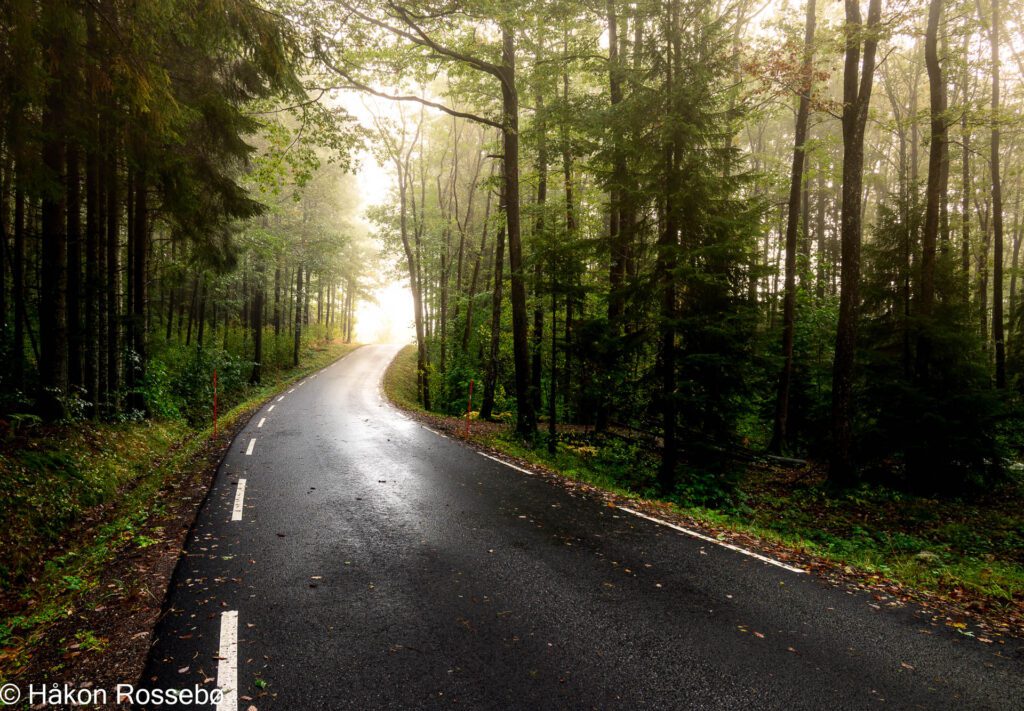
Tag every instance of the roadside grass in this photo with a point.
(76, 496)
(959, 549)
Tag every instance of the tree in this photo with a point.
(858, 76)
(781, 432)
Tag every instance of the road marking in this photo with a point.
(291, 391)
(236, 512)
(271, 408)
(302, 383)
(280, 398)
(227, 667)
(252, 443)
(687, 531)
(507, 464)
(709, 539)
(261, 423)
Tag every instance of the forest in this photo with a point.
(748, 268)
(713, 228)
(720, 230)
(712, 225)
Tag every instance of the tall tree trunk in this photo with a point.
(256, 377)
(298, 315)
(857, 83)
(113, 250)
(201, 313)
(277, 299)
(140, 239)
(74, 266)
(539, 239)
(53, 338)
(781, 433)
(92, 241)
(18, 281)
(192, 304)
(1014, 315)
(938, 181)
(491, 376)
(665, 264)
(997, 210)
(474, 279)
(526, 420)
(966, 189)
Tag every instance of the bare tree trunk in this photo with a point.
(74, 266)
(257, 327)
(526, 420)
(491, 377)
(781, 433)
(857, 83)
(53, 345)
(938, 181)
(91, 365)
(476, 275)
(140, 240)
(664, 269)
(298, 315)
(997, 210)
(965, 196)
(539, 239)
(113, 238)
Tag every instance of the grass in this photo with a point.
(958, 549)
(79, 495)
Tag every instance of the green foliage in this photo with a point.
(935, 430)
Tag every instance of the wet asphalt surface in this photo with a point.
(379, 565)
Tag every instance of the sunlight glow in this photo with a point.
(386, 316)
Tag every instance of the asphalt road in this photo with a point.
(371, 563)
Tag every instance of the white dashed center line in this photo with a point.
(227, 667)
(292, 390)
(261, 422)
(280, 398)
(236, 512)
(252, 443)
(271, 408)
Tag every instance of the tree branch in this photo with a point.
(355, 84)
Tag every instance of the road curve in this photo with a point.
(370, 563)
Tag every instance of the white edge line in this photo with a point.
(252, 443)
(227, 666)
(236, 512)
(507, 464)
(261, 422)
(709, 539)
(271, 408)
(687, 531)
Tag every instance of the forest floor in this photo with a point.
(962, 560)
(95, 517)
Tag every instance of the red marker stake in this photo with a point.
(469, 406)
